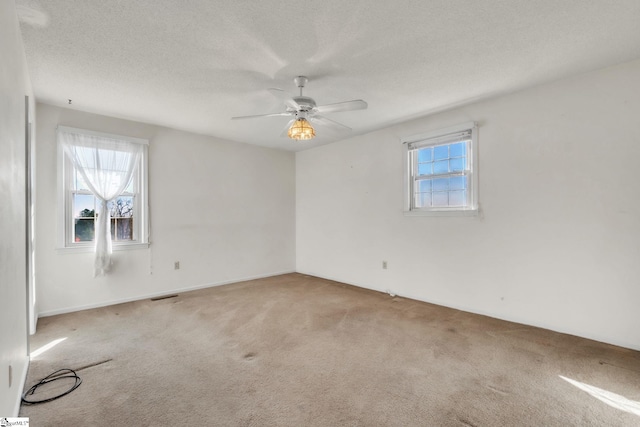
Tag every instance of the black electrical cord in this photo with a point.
(57, 375)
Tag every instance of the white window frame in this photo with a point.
(65, 200)
(433, 138)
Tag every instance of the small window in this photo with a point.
(79, 207)
(441, 171)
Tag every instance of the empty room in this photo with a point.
(297, 213)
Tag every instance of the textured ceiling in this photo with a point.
(193, 64)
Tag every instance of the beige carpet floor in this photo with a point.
(296, 350)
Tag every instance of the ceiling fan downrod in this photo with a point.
(300, 81)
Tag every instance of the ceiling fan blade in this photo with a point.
(330, 124)
(261, 115)
(285, 131)
(285, 96)
(279, 93)
(356, 104)
(291, 103)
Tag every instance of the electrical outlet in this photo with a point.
(176, 265)
(384, 265)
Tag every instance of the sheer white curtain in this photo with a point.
(106, 165)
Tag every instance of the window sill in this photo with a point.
(444, 212)
(91, 248)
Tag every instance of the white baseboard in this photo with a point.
(157, 294)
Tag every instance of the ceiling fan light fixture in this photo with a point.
(302, 109)
(301, 129)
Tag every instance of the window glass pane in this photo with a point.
(79, 183)
(122, 207)
(424, 185)
(114, 184)
(129, 188)
(457, 165)
(87, 155)
(121, 229)
(441, 167)
(441, 184)
(457, 198)
(441, 152)
(423, 200)
(125, 229)
(84, 230)
(458, 183)
(440, 199)
(425, 168)
(425, 155)
(83, 206)
(458, 149)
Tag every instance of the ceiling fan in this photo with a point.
(304, 112)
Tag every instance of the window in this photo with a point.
(84, 208)
(80, 207)
(441, 171)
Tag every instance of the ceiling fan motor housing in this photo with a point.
(305, 103)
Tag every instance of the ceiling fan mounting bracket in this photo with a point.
(300, 81)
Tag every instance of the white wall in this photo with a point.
(557, 242)
(14, 86)
(225, 211)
